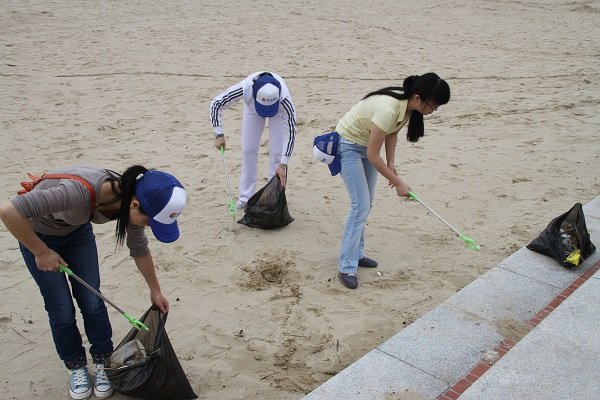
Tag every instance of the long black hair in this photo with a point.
(125, 192)
(430, 87)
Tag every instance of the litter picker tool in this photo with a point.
(232, 207)
(471, 244)
(134, 322)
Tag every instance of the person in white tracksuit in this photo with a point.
(265, 95)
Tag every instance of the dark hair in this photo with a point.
(125, 193)
(429, 87)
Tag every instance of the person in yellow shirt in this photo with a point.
(370, 124)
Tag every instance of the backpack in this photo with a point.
(29, 185)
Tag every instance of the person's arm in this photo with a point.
(146, 266)
(390, 148)
(20, 227)
(390, 152)
(376, 141)
(224, 100)
(289, 113)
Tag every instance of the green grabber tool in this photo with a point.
(134, 322)
(468, 241)
(232, 207)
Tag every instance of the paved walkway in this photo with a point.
(527, 329)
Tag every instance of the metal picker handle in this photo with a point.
(232, 207)
(414, 197)
(134, 322)
(222, 151)
(471, 244)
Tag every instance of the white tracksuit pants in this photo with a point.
(252, 129)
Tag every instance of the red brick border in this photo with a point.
(481, 368)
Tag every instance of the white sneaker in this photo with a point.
(79, 384)
(240, 205)
(102, 388)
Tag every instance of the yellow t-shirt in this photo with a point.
(387, 112)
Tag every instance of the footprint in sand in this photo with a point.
(5, 322)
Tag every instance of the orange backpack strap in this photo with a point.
(29, 185)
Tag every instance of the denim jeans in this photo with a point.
(78, 249)
(359, 177)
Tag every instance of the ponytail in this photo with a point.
(396, 92)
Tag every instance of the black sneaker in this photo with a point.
(349, 280)
(367, 262)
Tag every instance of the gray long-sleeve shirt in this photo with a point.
(59, 206)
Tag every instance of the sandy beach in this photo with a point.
(260, 314)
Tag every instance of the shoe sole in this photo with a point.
(80, 396)
(103, 395)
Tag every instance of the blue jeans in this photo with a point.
(78, 249)
(359, 177)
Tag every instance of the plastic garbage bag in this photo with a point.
(566, 239)
(267, 208)
(144, 364)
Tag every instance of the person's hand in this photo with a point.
(282, 174)
(48, 260)
(160, 301)
(402, 188)
(220, 142)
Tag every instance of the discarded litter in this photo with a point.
(130, 353)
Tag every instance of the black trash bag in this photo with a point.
(267, 208)
(566, 239)
(144, 364)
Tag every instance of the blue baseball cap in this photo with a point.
(162, 198)
(325, 149)
(266, 91)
